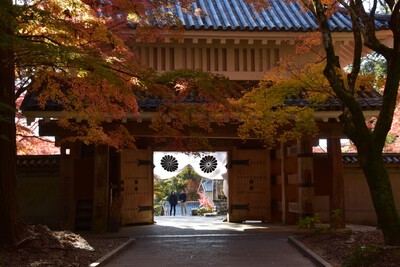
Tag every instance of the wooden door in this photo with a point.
(249, 196)
(137, 182)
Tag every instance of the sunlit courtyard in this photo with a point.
(209, 223)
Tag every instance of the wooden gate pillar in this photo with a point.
(101, 189)
(305, 171)
(69, 152)
(284, 183)
(336, 201)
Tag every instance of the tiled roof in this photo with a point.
(54, 161)
(38, 161)
(30, 103)
(281, 15)
(387, 158)
(369, 100)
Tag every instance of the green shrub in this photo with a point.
(364, 256)
(336, 218)
(157, 210)
(308, 222)
(203, 210)
(391, 139)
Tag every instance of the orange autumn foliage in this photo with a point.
(77, 57)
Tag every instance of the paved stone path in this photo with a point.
(199, 241)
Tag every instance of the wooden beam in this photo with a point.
(330, 129)
(140, 129)
(227, 131)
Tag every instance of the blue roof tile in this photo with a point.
(233, 22)
(281, 15)
(368, 99)
(389, 158)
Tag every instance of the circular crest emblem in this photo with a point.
(208, 164)
(169, 163)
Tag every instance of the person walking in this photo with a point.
(182, 199)
(173, 200)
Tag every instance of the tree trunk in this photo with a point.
(369, 144)
(12, 229)
(382, 196)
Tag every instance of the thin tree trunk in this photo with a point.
(382, 196)
(12, 229)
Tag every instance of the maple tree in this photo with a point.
(72, 56)
(204, 200)
(287, 122)
(28, 141)
(193, 102)
(369, 141)
(46, 46)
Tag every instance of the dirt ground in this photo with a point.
(57, 248)
(63, 248)
(351, 249)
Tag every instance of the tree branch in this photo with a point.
(33, 136)
(352, 118)
(352, 77)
